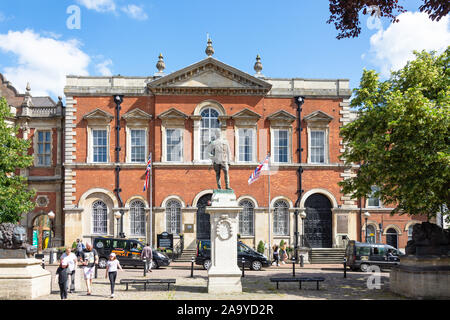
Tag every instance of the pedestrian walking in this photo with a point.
(71, 260)
(276, 255)
(147, 256)
(89, 259)
(61, 278)
(80, 247)
(111, 271)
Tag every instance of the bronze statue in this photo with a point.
(428, 239)
(218, 151)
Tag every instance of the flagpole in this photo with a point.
(270, 238)
(151, 202)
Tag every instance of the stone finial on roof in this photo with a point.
(258, 66)
(27, 99)
(209, 49)
(160, 65)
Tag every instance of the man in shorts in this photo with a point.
(89, 259)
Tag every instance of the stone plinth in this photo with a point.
(224, 276)
(426, 277)
(23, 279)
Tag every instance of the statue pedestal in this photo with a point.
(23, 279)
(426, 277)
(224, 276)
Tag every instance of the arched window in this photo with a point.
(173, 217)
(137, 218)
(371, 234)
(410, 232)
(246, 218)
(392, 237)
(281, 218)
(210, 122)
(99, 217)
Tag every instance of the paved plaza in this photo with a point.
(256, 285)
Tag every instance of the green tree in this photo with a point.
(15, 197)
(401, 136)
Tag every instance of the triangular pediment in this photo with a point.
(318, 116)
(136, 114)
(281, 116)
(172, 113)
(246, 114)
(209, 76)
(99, 114)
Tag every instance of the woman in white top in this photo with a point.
(111, 271)
(71, 260)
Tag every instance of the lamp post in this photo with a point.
(117, 215)
(51, 216)
(303, 216)
(366, 216)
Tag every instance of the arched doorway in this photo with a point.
(41, 232)
(392, 237)
(203, 219)
(318, 225)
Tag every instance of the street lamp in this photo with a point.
(366, 216)
(303, 216)
(51, 215)
(117, 215)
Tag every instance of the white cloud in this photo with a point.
(42, 61)
(391, 49)
(99, 5)
(103, 69)
(135, 12)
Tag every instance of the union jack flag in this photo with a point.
(147, 171)
(263, 166)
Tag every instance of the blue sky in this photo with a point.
(125, 37)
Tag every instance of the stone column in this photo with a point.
(224, 276)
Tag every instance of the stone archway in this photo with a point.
(318, 222)
(203, 219)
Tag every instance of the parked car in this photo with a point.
(361, 255)
(128, 251)
(253, 259)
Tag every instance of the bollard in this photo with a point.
(96, 267)
(345, 267)
(243, 267)
(293, 267)
(43, 263)
(192, 267)
(301, 261)
(145, 267)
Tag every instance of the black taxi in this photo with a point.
(128, 251)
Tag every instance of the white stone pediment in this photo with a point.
(246, 114)
(136, 114)
(98, 115)
(209, 76)
(172, 113)
(281, 116)
(318, 116)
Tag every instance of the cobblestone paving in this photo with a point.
(256, 285)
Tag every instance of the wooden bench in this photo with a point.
(299, 280)
(145, 282)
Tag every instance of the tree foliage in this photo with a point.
(15, 198)
(401, 136)
(345, 13)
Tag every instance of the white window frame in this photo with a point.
(106, 220)
(240, 216)
(238, 144)
(36, 148)
(275, 232)
(128, 143)
(310, 152)
(90, 153)
(180, 213)
(313, 128)
(380, 204)
(166, 154)
(142, 222)
(289, 144)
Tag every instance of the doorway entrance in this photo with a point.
(41, 232)
(203, 219)
(318, 230)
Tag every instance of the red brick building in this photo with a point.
(106, 144)
(40, 120)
